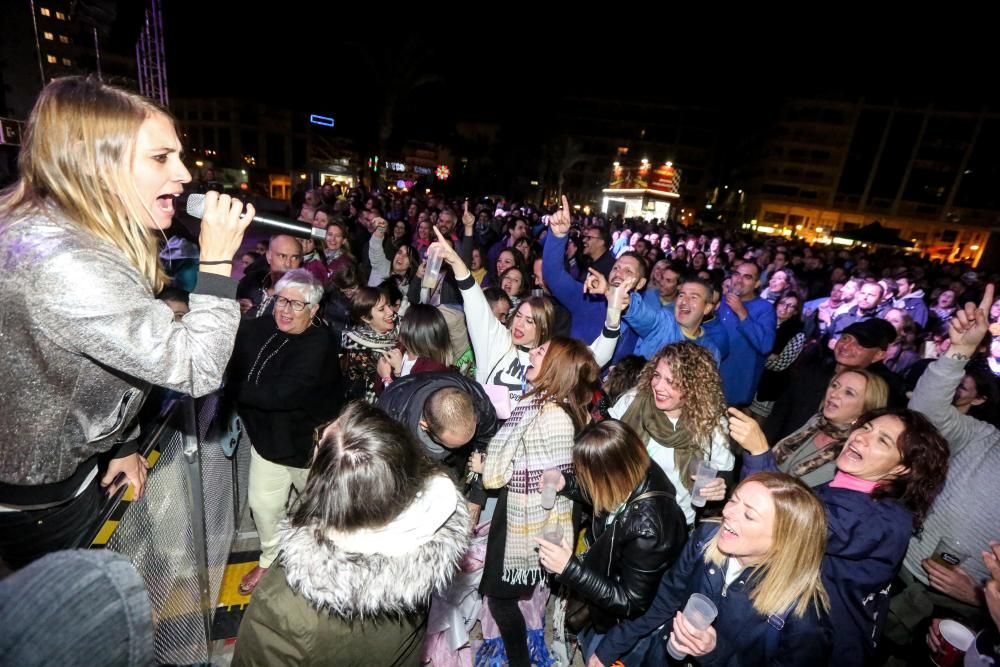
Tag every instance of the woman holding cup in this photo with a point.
(637, 531)
(538, 437)
(888, 473)
(760, 570)
(678, 411)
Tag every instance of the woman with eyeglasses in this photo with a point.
(283, 377)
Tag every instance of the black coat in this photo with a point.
(292, 388)
(621, 570)
(404, 399)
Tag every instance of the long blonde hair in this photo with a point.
(77, 156)
(789, 574)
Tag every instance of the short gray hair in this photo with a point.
(303, 281)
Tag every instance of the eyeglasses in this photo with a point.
(591, 236)
(297, 306)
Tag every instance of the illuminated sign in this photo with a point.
(325, 121)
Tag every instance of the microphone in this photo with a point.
(196, 209)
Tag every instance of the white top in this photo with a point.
(720, 455)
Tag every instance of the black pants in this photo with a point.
(27, 536)
(513, 630)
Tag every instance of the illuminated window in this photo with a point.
(47, 35)
(64, 39)
(60, 16)
(67, 62)
(51, 59)
(45, 11)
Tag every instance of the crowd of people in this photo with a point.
(557, 424)
(617, 355)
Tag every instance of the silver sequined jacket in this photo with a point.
(82, 339)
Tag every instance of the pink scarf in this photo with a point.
(844, 481)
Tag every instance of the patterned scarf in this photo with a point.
(653, 426)
(363, 347)
(816, 424)
(538, 436)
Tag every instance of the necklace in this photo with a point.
(250, 376)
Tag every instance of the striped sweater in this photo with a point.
(968, 508)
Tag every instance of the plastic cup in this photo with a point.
(548, 497)
(552, 533)
(957, 640)
(614, 303)
(949, 553)
(704, 472)
(700, 613)
(550, 478)
(433, 268)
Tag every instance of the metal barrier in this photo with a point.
(178, 535)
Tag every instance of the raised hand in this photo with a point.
(561, 220)
(969, 325)
(595, 282)
(467, 218)
(745, 430)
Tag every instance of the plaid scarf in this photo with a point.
(538, 436)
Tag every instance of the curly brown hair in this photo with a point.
(695, 371)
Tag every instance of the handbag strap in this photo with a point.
(645, 496)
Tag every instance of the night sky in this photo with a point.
(501, 68)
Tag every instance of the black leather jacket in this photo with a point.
(619, 573)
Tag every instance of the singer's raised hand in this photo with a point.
(222, 229)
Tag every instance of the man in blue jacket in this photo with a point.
(588, 310)
(750, 323)
(657, 326)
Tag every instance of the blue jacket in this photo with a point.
(745, 637)
(588, 311)
(866, 542)
(750, 341)
(656, 326)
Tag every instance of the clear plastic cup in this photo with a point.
(548, 497)
(949, 553)
(552, 533)
(704, 472)
(433, 269)
(614, 303)
(700, 613)
(550, 480)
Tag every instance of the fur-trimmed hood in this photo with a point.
(355, 585)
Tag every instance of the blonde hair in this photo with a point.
(610, 461)
(78, 151)
(695, 371)
(789, 574)
(876, 389)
